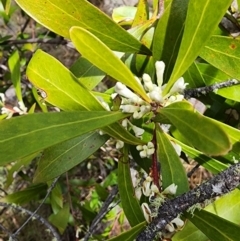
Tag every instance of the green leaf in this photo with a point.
(101, 56)
(223, 53)
(130, 204)
(199, 27)
(211, 164)
(88, 74)
(194, 77)
(142, 13)
(215, 227)
(168, 34)
(130, 234)
(213, 75)
(124, 15)
(47, 129)
(189, 233)
(60, 220)
(60, 85)
(29, 194)
(171, 166)
(6, 5)
(14, 67)
(62, 157)
(59, 16)
(202, 132)
(70, 96)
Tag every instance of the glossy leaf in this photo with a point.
(130, 234)
(26, 195)
(171, 167)
(189, 233)
(59, 16)
(168, 34)
(202, 132)
(199, 27)
(101, 56)
(63, 90)
(124, 15)
(142, 13)
(215, 227)
(59, 85)
(88, 74)
(47, 129)
(194, 77)
(62, 157)
(130, 204)
(211, 164)
(213, 75)
(14, 67)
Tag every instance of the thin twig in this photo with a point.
(38, 217)
(104, 210)
(188, 93)
(34, 213)
(35, 40)
(219, 185)
(193, 170)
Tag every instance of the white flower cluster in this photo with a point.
(146, 150)
(20, 109)
(132, 103)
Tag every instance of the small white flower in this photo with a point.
(119, 144)
(154, 188)
(171, 189)
(122, 90)
(139, 147)
(129, 108)
(125, 123)
(165, 127)
(2, 96)
(156, 94)
(179, 222)
(148, 85)
(137, 131)
(178, 86)
(146, 186)
(146, 212)
(160, 67)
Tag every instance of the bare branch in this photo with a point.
(219, 185)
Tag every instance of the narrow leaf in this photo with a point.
(21, 136)
(101, 56)
(223, 53)
(168, 34)
(130, 204)
(202, 132)
(171, 166)
(199, 27)
(14, 67)
(59, 16)
(142, 13)
(88, 74)
(60, 85)
(215, 227)
(62, 157)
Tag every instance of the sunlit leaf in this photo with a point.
(142, 13)
(201, 131)
(59, 16)
(88, 74)
(62, 157)
(215, 227)
(168, 34)
(199, 27)
(124, 15)
(171, 166)
(130, 205)
(101, 56)
(24, 135)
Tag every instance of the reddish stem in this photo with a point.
(155, 164)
